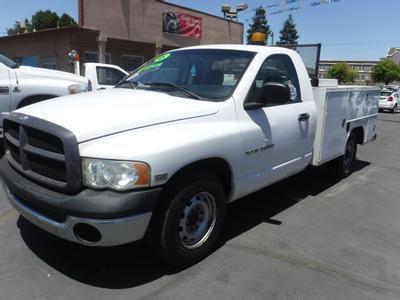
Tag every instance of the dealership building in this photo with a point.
(121, 32)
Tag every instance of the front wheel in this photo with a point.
(342, 166)
(186, 226)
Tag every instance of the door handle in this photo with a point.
(4, 90)
(304, 117)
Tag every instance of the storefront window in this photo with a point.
(93, 56)
(131, 62)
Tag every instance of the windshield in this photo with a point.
(8, 62)
(206, 74)
(386, 93)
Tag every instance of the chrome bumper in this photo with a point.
(113, 231)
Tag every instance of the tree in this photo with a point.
(44, 20)
(259, 24)
(386, 71)
(20, 28)
(342, 72)
(66, 21)
(288, 34)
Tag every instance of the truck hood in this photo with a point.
(100, 113)
(24, 71)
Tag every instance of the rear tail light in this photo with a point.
(390, 98)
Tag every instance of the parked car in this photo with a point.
(21, 85)
(162, 154)
(389, 100)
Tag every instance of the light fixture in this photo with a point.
(231, 12)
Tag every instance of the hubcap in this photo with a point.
(197, 220)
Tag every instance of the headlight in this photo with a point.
(76, 89)
(116, 175)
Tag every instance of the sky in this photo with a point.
(347, 30)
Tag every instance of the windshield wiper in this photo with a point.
(176, 87)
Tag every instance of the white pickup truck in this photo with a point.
(162, 154)
(21, 85)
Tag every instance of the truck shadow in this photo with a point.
(133, 264)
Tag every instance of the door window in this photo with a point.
(108, 76)
(277, 68)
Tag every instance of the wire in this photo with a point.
(361, 43)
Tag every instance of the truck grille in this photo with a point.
(43, 152)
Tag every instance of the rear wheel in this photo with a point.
(187, 225)
(394, 109)
(342, 166)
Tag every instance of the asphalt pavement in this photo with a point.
(308, 237)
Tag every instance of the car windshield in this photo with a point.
(8, 62)
(386, 94)
(203, 74)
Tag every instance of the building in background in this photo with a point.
(393, 54)
(363, 68)
(125, 33)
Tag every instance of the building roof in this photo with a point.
(50, 30)
(392, 51)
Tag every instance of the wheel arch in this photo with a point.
(34, 99)
(359, 133)
(214, 165)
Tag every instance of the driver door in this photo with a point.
(277, 138)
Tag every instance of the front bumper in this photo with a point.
(114, 218)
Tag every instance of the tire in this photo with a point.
(394, 109)
(187, 225)
(343, 165)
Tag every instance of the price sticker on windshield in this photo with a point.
(162, 57)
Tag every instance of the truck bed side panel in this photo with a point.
(339, 110)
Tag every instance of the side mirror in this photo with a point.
(271, 93)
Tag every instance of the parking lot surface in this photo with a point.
(308, 237)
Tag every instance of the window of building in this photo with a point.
(93, 56)
(368, 68)
(49, 63)
(131, 62)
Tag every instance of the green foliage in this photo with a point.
(19, 28)
(386, 71)
(343, 73)
(288, 34)
(259, 24)
(66, 21)
(42, 20)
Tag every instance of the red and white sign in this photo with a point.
(182, 24)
